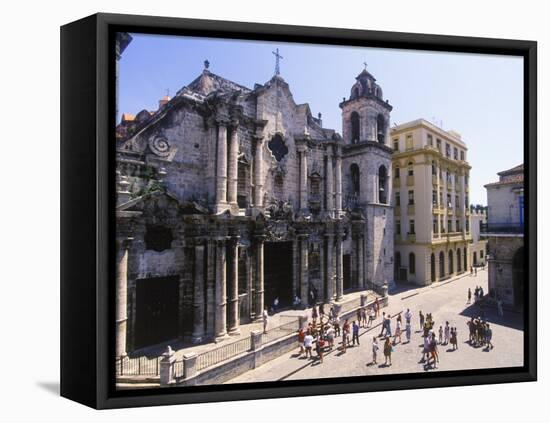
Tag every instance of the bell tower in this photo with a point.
(367, 173)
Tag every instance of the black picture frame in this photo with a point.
(87, 211)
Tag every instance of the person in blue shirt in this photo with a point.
(355, 333)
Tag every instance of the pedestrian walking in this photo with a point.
(321, 310)
(471, 270)
(330, 337)
(475, 270)
(265, 317)
(355, 333)
(336, 324)
(314, 315)
(388, 324)
(421, 318)
(499, 308)
(301, 336)
(469, 296)
(377, 307)
(440, 334)
(375, 348)
(397, 332)
(489, 336)
(454, 338)
(408, 332)
(425, 349)
(433, 351)
(345, 335)
(383, 325)
(308, 344)
(372, 315)
(387, 351)
(319, 347)
(408, 316)
(447, 333)
(358, 316)
(363, 317)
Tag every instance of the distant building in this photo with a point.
(504, 231)
(478, 247)
(432, 217)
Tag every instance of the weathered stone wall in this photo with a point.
(501, 276)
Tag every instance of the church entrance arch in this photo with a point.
(278, 273)
(157, 311)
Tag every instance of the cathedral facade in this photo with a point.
(230, 197)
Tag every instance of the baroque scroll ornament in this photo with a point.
(160, 146)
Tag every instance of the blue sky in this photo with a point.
(479, 96)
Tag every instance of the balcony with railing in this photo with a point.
(507, 228)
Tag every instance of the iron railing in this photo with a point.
(225, 352)
(138, 366)
(280, 331)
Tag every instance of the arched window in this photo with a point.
(355, 127)
(412, 264)
(410, 168)
(432, 267)
(451, 267)
(441, 265)
(396, 172)
(355, 178)
(381, 128)
(382, 185)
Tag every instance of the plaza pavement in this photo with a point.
(447, 302)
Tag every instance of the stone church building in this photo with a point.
(229, 197)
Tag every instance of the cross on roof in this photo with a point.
(278, 57)
(365, 63)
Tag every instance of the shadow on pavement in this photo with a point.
(489, 313)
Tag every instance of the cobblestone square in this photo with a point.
(447, 301)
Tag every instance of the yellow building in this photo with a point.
(432, 214)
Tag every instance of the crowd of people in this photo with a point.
(323, 330)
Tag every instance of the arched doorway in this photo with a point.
(397, 265)
(432, 267)
(458, 260)
(517, 277)
(451, 267)
(465, 256)
(441, 265)
(475, 258)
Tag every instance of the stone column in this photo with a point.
(232, 168)
(198, 295)
(221, 305)
(303, 181)
(259, 276)
(330, 266)
(221, 171)
(234, 287)
(338, 182)
(360, 262)
(339, 268)
(122, 296)
(330, 183)
(304, 270)
(258, 170)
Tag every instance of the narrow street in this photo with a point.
(447, 302)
